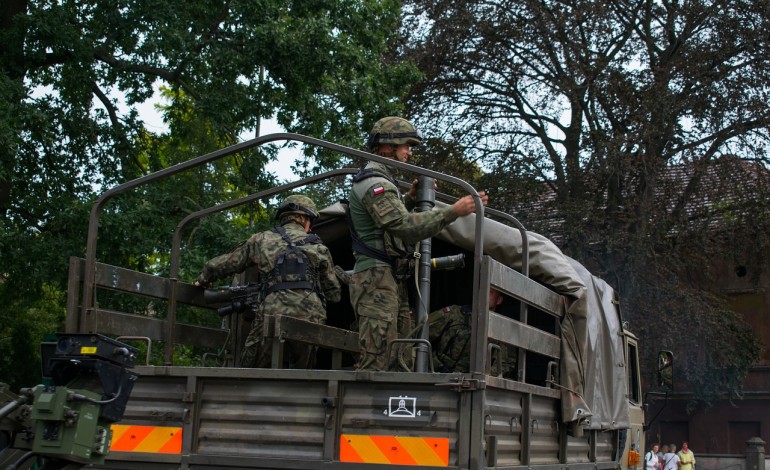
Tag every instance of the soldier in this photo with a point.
(384, 233)
(296, 273)
(450, 338)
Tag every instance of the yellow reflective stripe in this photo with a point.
(366, 448)
(152, 439)
(157, 438)
(419, 449)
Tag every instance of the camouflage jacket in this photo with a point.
(383, 222)
(261, 251)
(450, 338)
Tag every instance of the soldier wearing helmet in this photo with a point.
(384, 233)
(296, 206)
(450, 338)
(296, 275)
(395, 131)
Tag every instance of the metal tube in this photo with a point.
(426, 200)
(12, 405)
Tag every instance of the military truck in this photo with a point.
(575, 401)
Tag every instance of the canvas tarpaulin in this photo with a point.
(605, 372)
(590, 324)
(549, 266)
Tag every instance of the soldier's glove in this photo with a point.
(342, 275)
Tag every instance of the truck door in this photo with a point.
(635, 439)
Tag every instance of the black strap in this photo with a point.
(358, 245)
(365, 173)
(284, 285)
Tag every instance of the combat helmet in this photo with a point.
(297, 204)
(393, 130)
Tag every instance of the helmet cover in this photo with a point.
(299, 205)
(393, 130)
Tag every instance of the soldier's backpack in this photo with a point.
(292, 267)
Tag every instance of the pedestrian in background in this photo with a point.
(651, 459)
(670, 459)
(686, 457)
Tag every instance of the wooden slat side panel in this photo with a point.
(525, 289)
(578, 448)
(134, 282)
(124, 324)
(510, 331)
(321, 335)
(605, 445)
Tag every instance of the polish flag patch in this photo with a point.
(378, 190)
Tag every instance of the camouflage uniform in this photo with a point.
(262, 250)
(450, 338)
(378, 291)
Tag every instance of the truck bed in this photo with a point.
(277, 419)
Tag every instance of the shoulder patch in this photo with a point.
(447, 309)
(377, 190)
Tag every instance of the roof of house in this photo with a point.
(719, 193)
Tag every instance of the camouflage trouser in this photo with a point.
(257, 351)
(382, 311)
(459, 361)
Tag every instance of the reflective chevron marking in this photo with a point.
(151, 439)
(400, 450)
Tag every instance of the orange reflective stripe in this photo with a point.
(174, 445)
(152, 439)
(130, 437)
(397, 450)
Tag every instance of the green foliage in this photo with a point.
(449, 158)
(73, 77)
(23, 327)
(617, 112)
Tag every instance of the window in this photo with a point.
(632, 369)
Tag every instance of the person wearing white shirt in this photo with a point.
(670, 459)
(651, 459)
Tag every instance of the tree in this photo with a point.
(74, 73)
(598, 101)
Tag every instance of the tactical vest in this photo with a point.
(379, 251)
(293, 269)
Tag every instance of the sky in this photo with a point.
(153, 122)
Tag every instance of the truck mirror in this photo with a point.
(666, 370)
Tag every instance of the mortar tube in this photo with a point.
(425, 201)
